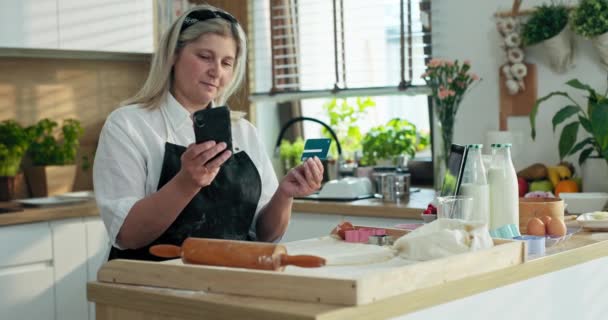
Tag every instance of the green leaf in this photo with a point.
(599, 125)
(584, 155)
(535, 110)
(580, 145)
(585, 123)
(574, 83)
(567, 139)
(564, 114)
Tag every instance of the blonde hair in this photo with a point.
(160, 78)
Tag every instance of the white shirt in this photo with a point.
(129, 157)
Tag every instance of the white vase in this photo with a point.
(595, 175)
(559, 50)
(601, 45)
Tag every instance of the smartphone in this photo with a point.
(455, 167)
(213, 124)
(316, 148)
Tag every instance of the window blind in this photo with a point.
(318, 48)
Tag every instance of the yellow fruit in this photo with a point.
(564, 172)
(553, 175)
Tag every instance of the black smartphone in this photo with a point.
(455, 167)
(213, 124)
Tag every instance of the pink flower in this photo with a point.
(467, 62)
(443, 93)
(449, 63)
(435, 63)
(474, 76)
(451, 93)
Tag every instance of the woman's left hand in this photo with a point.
(304, 179)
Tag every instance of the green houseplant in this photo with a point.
(544, 23)
(547, 26)
(343, 118)
(397, 137)
(290, 153)
(53, 155)
(14, 141)
(590, 20)
(593, 120)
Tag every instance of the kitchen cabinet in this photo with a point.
(26, 272)
(98, 247)
(70, 268)
(29, 24)
(106, 25)
(45, 266)
(86, 25)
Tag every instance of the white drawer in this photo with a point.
(25, 244)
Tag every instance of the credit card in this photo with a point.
(316, 147)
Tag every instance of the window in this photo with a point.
(315, 50)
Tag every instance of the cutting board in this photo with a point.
(356, 273)
(521, 103)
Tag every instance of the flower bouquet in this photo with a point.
(448, 81)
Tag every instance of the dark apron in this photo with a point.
(222, 210)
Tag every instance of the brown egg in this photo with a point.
(535, 227)
(546, 220)
(556, 228)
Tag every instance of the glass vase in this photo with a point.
(444, 133)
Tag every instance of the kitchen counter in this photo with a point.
(29, 215)
(563, 284)
(418, 201)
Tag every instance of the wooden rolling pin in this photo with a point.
(232, 253)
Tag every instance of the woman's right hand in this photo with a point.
(198, 170)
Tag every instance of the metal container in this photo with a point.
(393, 186)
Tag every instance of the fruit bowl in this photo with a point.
(581, 202)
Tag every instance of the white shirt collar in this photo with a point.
(178, 115)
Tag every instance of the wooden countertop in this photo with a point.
(411, 209)
(116, 301)
(29, 215)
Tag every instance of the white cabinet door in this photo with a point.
(29, 24)
(69, 259)
(26, 272)
(98, 247)
(106, 25)
(310, 225)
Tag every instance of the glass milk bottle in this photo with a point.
(504, 197)
(475, 184)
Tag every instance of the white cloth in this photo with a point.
(442, 238)
(129, 157)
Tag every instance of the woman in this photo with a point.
(151, 188)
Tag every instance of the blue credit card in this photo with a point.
(316, 148)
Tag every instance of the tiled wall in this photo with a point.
(88, 90)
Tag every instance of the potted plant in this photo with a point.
(593, 120)
(343, 119)
(53, 155)
(14, 141)
(384, 143)
(547, 27)
(290, 153)
(590, 20)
